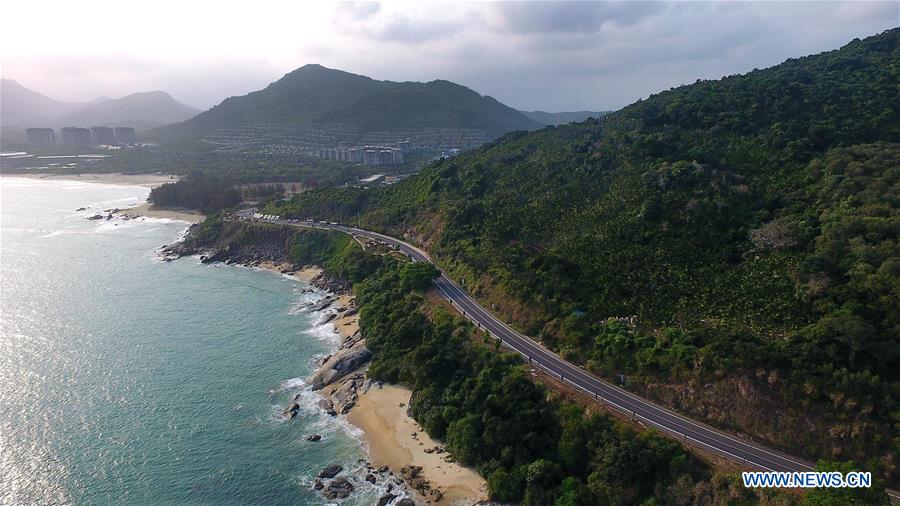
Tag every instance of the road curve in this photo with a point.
(690, 432)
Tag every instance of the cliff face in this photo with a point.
(233, 242)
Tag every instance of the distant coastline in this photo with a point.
(145, 180)
(145, 209)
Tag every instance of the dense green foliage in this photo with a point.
(531, 447)
(196, 191)
(740, 230)
(314, 93)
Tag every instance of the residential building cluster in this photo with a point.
(307, 142)
(75, 136)
(366, 155)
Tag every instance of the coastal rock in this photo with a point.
(330, 471)
(328, 406)
(339, 365)
(406, 501)
(291, 410)
(321, 304)
(95, 217)
(370, 478)
(339, 488)
(436, 495)
(330, 284)
(221, 254)
(328, 318)
(318, 485)
(314, 438)
(385, 499)
(352, 311)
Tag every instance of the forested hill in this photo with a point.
(730, 246)
(313, 93)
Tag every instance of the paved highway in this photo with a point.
(688, 431)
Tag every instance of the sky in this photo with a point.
(531, 55)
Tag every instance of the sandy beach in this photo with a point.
(396, 440)
(392, 438)
(149, 210)
(146, 180)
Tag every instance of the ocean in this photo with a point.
(128, 380)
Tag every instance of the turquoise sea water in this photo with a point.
(127, 380)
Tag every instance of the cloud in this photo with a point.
(413, 25)
(571, 16)
(352, 11)
(551, 55)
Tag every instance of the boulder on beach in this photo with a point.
(406, 501)
(330, 471)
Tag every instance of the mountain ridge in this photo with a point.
(25, 108)
(317, 94)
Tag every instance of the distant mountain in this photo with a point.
(139, 110)
(24, 108)
(561, 118)
(314, 93)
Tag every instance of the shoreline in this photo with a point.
(390, 437)
(143, 210)
(116, 178)
(148, 210)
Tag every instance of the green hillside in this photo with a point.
(314, 93)
(730, 246)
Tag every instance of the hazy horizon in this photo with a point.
(551, 56)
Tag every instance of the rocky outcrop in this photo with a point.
(291, 411)
(328, 406)
(331, 284)
(338, 488)
(342, 363)
(221, 254)
(330, 471)
(347, 393)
